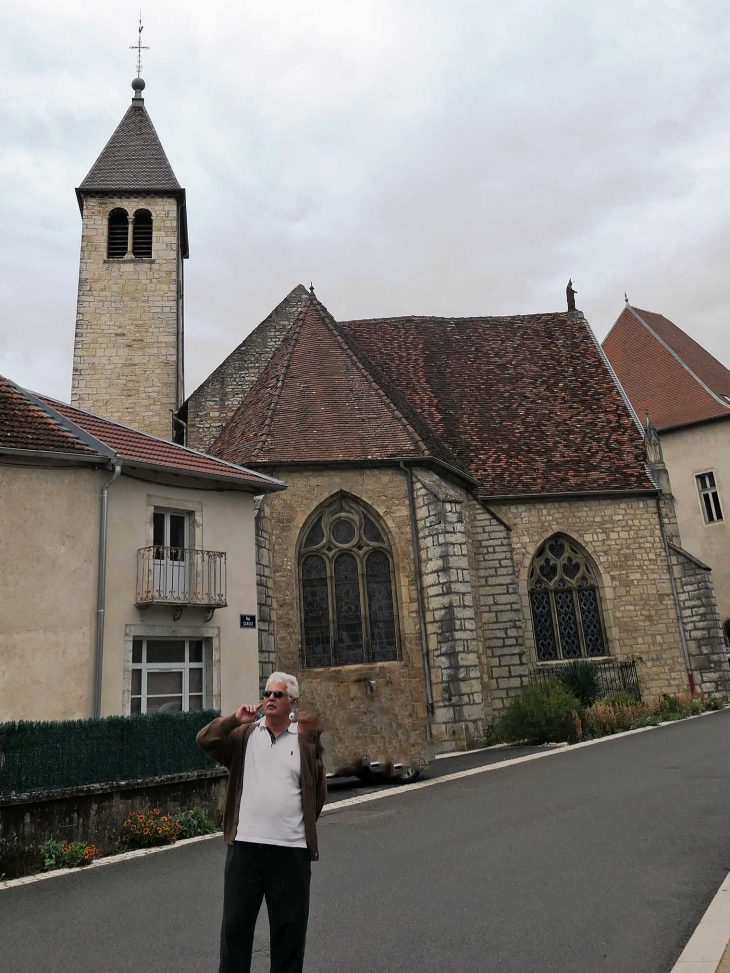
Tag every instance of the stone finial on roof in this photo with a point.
(138, 86)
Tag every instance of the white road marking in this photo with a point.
(394, 791)
(705, 950)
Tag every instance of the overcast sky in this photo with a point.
(408, 156)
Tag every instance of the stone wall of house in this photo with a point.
(213, 403)
(451, 623)
(623, 537)
(702, 624)
(126, 343)
(265, 594)
(375, 710)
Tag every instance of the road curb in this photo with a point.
(380, 795)
(708, 943)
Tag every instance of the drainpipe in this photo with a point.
(683, 637)
(101, 590)
(419, 594)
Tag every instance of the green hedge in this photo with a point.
(38, 756)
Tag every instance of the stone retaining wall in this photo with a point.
(95, 814)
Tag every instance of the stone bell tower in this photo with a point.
(128, 349)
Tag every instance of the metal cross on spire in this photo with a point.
(139, 46)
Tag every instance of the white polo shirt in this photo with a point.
(271, 801)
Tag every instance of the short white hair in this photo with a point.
(292, 684)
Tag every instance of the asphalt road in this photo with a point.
(602, 858)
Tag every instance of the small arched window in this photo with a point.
(565, 602)
(142, 233)
(346, 586)
(117, 234)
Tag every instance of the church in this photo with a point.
(468, 500)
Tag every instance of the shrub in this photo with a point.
(144, 829)
(714, 703)
(651, 720)
(194, 823)
(67, 854)
(539, 714)
(575, 727)
(622, 698)
(580, 679)
(492, 734)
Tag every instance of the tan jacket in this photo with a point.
(225, 741)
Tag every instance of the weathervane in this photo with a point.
(139, 46)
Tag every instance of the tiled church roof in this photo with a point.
(133, 159)
(525, 404)
(315, 400)
(665, 372)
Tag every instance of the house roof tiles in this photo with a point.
(24, 426)
(40, 424)
(665, 372)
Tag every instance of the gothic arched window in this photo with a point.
(346, 587)
(117, 234)
(142, 233)
(565, 602)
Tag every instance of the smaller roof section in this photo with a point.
(317, 400)
(35, 425)
(665, 372)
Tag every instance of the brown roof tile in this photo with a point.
(139, 447)
(664, 371)
(24, 426)
(525, 402)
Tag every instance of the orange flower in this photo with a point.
(164, 817)
(157, 810)
(146, 830)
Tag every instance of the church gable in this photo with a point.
(315, 400)
(213, 403)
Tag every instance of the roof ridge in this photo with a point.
(681, 361)
(291, 338)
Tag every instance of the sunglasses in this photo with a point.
(277, 694)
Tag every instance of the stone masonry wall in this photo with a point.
(702, 624)
(266, 607)
(504, 664)
(449, 609)
(378, 710)
(125, 349)
(213, 403)
(623, 537)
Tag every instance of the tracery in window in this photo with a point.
(117, 238)
(346, 579)
(565, 602)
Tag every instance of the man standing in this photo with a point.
(276, 790)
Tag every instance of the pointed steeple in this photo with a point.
(133, 159)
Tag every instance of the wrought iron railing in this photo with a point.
(181, 576)
(613, 677)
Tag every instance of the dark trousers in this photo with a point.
(281, 876)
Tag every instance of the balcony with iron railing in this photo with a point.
(181, 577)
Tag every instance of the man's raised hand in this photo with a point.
(248, 714)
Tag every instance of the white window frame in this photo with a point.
(183, 667)
(710, 490)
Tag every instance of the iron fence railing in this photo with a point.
(613, 677)
(181, 576)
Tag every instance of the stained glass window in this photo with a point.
(348, 603)
(565, 603)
